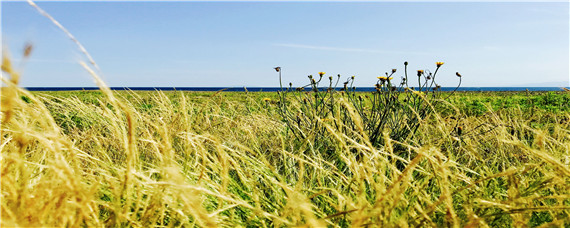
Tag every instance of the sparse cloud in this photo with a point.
(344, 49)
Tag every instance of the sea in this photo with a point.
(274, 89)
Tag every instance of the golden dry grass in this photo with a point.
(157, 159)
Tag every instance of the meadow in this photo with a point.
(208, 159)
(397, 157)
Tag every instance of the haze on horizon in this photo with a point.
(234, 44)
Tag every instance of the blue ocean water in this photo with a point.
(273, 89)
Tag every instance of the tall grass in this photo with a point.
(225, 159)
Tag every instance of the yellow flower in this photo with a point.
(420, 72)
(438, 64)
(322, 73)
(266, 99)
(385, 78)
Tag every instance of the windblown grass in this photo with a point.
(226, 159)
(147, 159)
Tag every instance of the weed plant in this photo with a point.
(394, 110)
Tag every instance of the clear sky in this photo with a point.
(227, 44)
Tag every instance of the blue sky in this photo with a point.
(227, 44)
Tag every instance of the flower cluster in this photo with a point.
(393, 107)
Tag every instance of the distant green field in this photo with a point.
(471, 103)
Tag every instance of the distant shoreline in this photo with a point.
(274, 89)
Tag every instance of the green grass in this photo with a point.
(477, 103)
(81, 158)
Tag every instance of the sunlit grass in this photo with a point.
(226, 159)
(144, 159)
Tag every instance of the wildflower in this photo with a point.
(393, 71)
(420, 72)
(352, 77)
(330, 78)
(406, 63)
(277, 69)
(321, 73)
(438, 64)
(266, 99)
(383, 78)
(458, 74)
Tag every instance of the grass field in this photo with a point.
(95, 158)
(397, 157)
